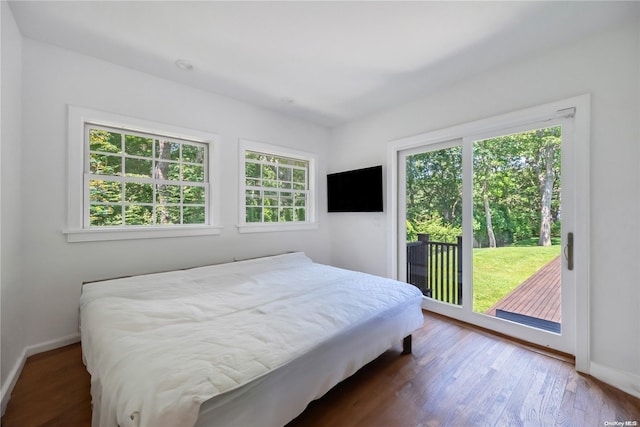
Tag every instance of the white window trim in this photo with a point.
(77, 232)
(310, 224)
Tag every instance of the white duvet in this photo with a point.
(159, 345)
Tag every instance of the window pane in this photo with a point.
(284, 173)
(192, 153)
(254, 214)
(105, 215)
(270, 214)
(286, 199)
(300, 199)
(105, 191)
(192, 173)
(252, 170)
(253, 182)
(434, 211)
(253, 198)
(167, 215)
(286, 214)
(517, 215)
(301, 214)
(138, 193)
(194, 195)
(104, 164)
(138, 146)
(249, 155)
(168, 194)
(137, 167)
(299, 176)
(167, 150)
(167, 170)
(269, 172)
(138, 215)
(270, 198)
(193, 215)
(105, 141)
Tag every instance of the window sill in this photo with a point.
(276, 227)
(131, 233)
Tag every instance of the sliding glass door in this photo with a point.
(485, 224)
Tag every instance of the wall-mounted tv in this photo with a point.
(357, 190)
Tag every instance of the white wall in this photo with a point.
(607, 66)
(54, 268)
(13, 307)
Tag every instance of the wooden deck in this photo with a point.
(538, 296)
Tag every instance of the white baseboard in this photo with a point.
(625, 381)
(12, 378)
(52, 344)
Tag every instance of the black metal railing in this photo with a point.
(436, 268)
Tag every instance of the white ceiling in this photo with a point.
(327, 62)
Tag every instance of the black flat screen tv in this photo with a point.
(357, 190)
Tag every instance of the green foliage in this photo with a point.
(434, 186)
(508, 173)
(435, 227)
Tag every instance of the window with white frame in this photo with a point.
(277, 187)
(130, 178)
(140, 179)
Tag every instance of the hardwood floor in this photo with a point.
(53, 390)
(456, 376)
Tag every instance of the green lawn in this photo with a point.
(496, 271)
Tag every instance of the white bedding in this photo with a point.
(158, 346)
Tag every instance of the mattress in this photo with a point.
(245, 343)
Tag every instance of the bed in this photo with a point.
(239, 344)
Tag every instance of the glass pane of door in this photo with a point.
(516, 228)
(434, 223)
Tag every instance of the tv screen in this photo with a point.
(357, 190)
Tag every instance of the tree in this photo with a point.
(516, 184)
(483, 159)
(434, 188)
(516, 188)
(547, 169)
(161, 171)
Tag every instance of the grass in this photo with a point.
(497, 271)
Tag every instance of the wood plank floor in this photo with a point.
(456, 376)
(539, 296)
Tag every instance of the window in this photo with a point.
(277, 188)
(142, 179)
(131, 179)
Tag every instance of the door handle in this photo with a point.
(568, 251)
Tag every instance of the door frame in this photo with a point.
(579, 107)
